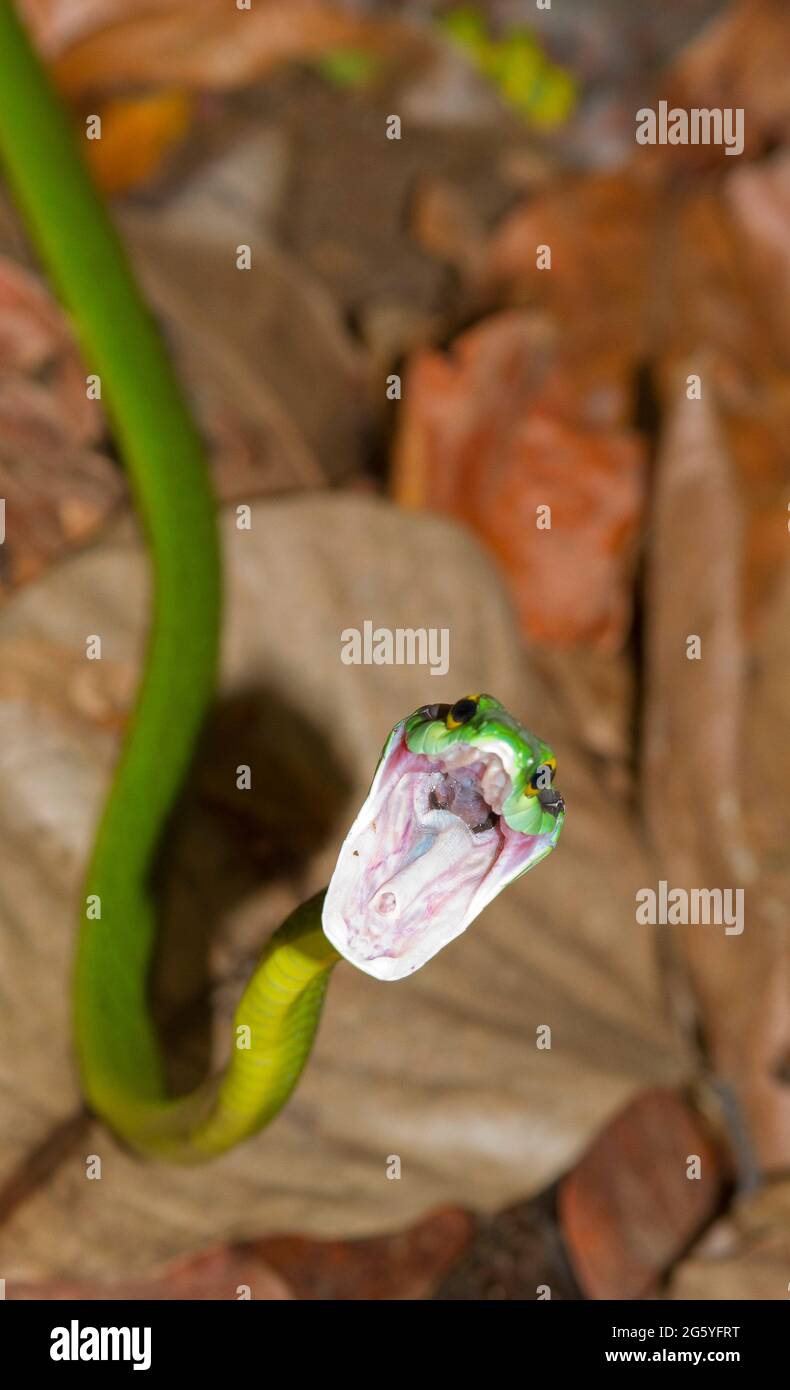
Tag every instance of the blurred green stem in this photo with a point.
(158, 441)
(167, 470)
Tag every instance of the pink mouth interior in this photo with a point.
(427, 852)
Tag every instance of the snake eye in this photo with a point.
(542, 777)
(461, 712)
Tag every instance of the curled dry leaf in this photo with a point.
(715, 315)
(694, 706)
(499, 433)
(703, 754)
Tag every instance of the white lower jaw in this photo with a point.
(410, 878)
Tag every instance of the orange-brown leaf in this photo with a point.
(137, 134)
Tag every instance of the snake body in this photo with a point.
(119, 1055)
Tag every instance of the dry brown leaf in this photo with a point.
(405, 1265)
(360, 246)
(194, 43)
(714, 315)
(739, 60)
(702, 763)
(36, 342)
(499, 428)
(228, 1272)
(478, 1114)
(628, 1209)
(446, 224)
(401, 1266)
(745, 1255)
(137, 135)
(694, 588)
(513, 1256)
(601, 229)
(280, 391)
(58, 488)
(57, 23)
(56, 498)
(702, 293)
(599, 694)
(759, 198)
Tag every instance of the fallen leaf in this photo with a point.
(137, 134)
(280, 390)
(745, 1256)
(366, 249)
(703, 753)
(711, 318)
(694, 704)
(225, 1273)
(517, 1255)
(405, 1265)
(56, 499)
(57, 487)
(479, 1116)
(498, 430)
(401, 1266)
(600, 230)
(599, 695)
(737, 61)
(196, 43)
(628, 1209)
(445, 222)
(57, 23)
(702, 296)
(36, 343)
(759, 198)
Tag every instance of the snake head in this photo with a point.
(462, 803)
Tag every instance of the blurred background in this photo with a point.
(438, 336)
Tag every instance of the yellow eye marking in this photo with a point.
(461, 712)
(533, 786)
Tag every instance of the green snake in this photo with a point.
(462, 801)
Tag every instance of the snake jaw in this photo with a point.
(430, 848)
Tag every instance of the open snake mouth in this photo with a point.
(429, 849)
